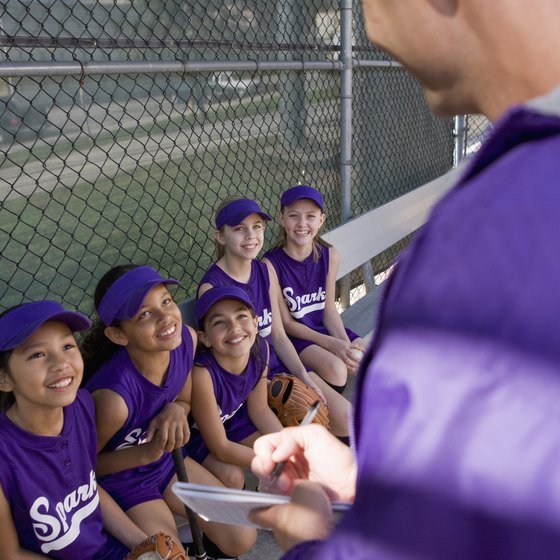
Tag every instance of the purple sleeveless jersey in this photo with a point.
(258, 290)
(144, 401)
(51, 487)
(303, 285)
(231, 392)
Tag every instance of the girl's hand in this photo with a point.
(310, 383)
(359, 344)
(170, 426)
(346, 352)
(308, 516)
(357, 351)
(310, 453)
(153, 449)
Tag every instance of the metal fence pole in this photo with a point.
(346, 128)
(460, 133)
(292, 24)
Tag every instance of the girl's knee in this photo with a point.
(334, 372)
(233, 476)
(242, 541)
(233, 541)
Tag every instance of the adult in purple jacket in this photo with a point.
(456, 412)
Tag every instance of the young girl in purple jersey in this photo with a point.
(239, 237)
(306, 267)
(230, 404)
(50, 504)
(139, 355)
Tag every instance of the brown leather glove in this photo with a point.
(157, 547)
(290, 400)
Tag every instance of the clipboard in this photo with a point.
(231, 506)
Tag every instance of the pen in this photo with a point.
(308, 418)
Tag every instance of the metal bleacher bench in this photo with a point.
(366, 236)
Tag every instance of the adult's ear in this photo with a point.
(115, 335)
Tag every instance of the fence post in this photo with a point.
(292, 27)
(345, 129)
(460, 134)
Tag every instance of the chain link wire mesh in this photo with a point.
(478, 127)
(102, 163)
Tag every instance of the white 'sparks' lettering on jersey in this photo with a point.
(300, 306)
(265, 322)
(58, 525)
(135, 437)
(226, 417)
(223, 417)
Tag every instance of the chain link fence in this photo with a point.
(124, 123)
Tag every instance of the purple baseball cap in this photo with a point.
(125, 296)
(237, 210)
(18, 324)
(301, 191)
(214, 295)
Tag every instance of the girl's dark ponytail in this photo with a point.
(96, 347)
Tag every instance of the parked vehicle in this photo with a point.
(229, 85)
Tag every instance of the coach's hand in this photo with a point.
(309, 453)
(308, 516)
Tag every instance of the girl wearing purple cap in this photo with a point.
(50, 504)
(306, 267)
(142, 393)
(239, 238)
(230, 404)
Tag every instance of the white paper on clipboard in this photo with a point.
(230, 506)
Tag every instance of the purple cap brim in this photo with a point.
(125, 296)
(18, 324)
(236, 211)
(302, 191)
(214, 295)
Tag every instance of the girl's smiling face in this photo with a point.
(301, 221)
(156, 327)
(230, 329)
(46, 370)
(244, 240)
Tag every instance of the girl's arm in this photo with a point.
(331, 318)
(282, 344)
(168, 430)
(174, 416)
(336, 343)
(111, 413)
(185, 396)
(260, 413)
(10, 548)
(117, 523)
(203, 288)
(207, 418)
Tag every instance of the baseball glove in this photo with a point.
(290, 400)
(157, 547)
